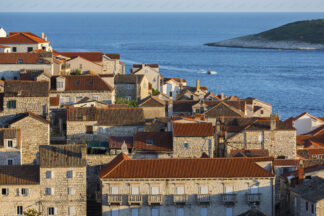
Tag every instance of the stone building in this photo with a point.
(34, 132)
(257, 133)
(258, 108)
(111, 64)
(20, 189)
(153, 107)
(24, 96)
(131, 86)
(172, 86)
(75, 88)
(192, 92)
(12, 63)
(151, 72)
(191, 140)
(305, 123)
(10, 146)
(84, 65)
(188, 187)
(96, 125)
(63, 180)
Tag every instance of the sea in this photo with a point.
(291, 80)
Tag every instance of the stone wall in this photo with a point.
(154, 112)
(37, 105)
(112, 66)
(60, 199)
(10, 202)
(278, 142)
(167, 187)
(10, 71)
(13, 154)
(196, 147)
(33, 134)
(84, 65)
(126, 90)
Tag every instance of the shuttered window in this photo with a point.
(11, 104)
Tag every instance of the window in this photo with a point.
(20, 210)
(155, 212)
(90, 83)
(180, 190)
(14, 49)
(11, 104)
(95, 97)
(134, 212)
(71, 191)
(20, 61)
(203, 212)
(29, 49)
(51, 211)
(40, 60)
(180, 212)
(186, 145)
(203, 190)
(149, 142)
(89, 129)
(71, 210)
(5, 191)
(306, 206)
(197, 110)
(48, 174)
(114, 190)
(10, 162)
(229, 211)
(155, 190)
(69, 174)
(59, 84)
(78, 98)
(261, 112)
(135, 190)
(24, 191)
(313, 209)
(129, 86)
(114, 212)
(48, 191)
(10, 145)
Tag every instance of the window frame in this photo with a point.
(20, 210)
(50, 174)
(6, 191)
(69, 174)
(51, 210)
(24, 191)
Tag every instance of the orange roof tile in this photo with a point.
(285, 162)
(193, 129)
(55, 101)
(162, 141)
(91, 56)
(123, 167)
(22, 37)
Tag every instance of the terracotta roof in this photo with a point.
(249, 153)
(19, 175)
(113, 56)
(152, 101)
(183, 106)
(21, 116)
(62, 155)
(116, 142)
(161, 141)
(128, 78)
(55, 101)
(22, 38)
(310, 152)
(212, 95)
(2, 46)
(33, 74)
(316, 131)
(23, 58)
(9, 133)
(175, 79)
(83, 83)
(285, 162)
(123, 167)
(312, 189)
(150, 65)
(20, 88)
(118, 116)
(91, 56)
(193, 129)
(223, 109)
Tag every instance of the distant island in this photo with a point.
(308, 34)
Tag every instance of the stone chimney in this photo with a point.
(43, 35)
(222, 96)
(170, 107)
(197, 84)
(300, 172)
(143, 65)
(273, 122)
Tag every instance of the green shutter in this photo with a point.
(14, 104)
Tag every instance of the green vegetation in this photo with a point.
(131, 103)
(31, 212)
(76, 72)
(309, 31)
(155, 91)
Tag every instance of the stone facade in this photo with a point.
(112, 66)
(278, 142)
(84, 65)
(10, 154)
(192, 187)
(193, 147)
(154, 112)
(137, 90)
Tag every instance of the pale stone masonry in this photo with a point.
(185, 187)
(151, 72)
(131, 86)
(10, 146)
(153, 107)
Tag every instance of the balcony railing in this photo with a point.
(203, 198)
(180, 198)
(154, 199)
(229, 198)
(115, 199)
(253, 197)
(135, 199)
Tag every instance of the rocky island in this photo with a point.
(308, 34)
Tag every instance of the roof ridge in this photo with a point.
(124, 158)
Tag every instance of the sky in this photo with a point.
(161, 5)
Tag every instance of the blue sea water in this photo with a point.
(291, 80)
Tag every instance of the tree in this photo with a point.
(131, 103)
(155, 91)
(32, 212)
(76, 72)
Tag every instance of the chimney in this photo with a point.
(43, 35)
(300, 171)
(170, 107)
(222, 96)
(273, 122)
(197, 84)
(143, 65)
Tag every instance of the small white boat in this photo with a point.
(211, 72)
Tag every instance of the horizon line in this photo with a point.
(161, 11)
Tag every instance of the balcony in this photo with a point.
(229, 199)
(203, 198)
(154, 199)
(180, 198)
(115, 199)
(253, 197)
(135, 199)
